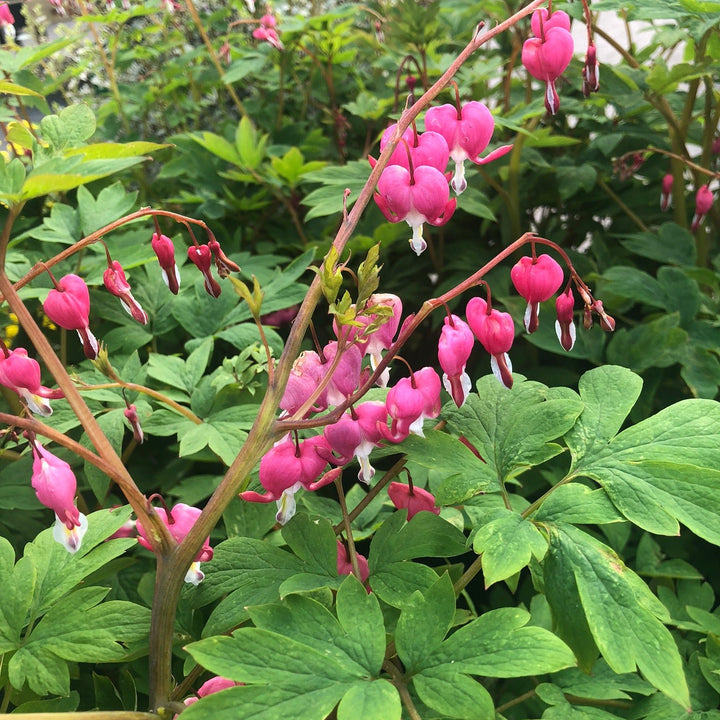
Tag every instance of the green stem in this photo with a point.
(398, 681)
(468, 575)
(348, 528)
(616, 198)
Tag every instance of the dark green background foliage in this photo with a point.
(590, 509)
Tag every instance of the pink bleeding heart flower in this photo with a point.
(541, 21)
(373, 342)
(55, 486)
(69, 307)
(267, 31)
(666, 191)
(428, 148)
(703, 202)
(344, 565)
(355, 435)
(565, 325)
(346, 377)
(496, 331)
(454, 348)
(210, 687)
(305, 376)
(179, 523)
(414, 499)
(115, 282)
(537, 280)
(21, 374)
(417, 197)
(548, 54)
(7, 21)
(163, 247)
(467, 132)
(286, 468)
(409, 402)
(201, 256)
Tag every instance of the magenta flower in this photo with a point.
(355, 435)
(565, 325)
(344, 566)
(7, 21)
(428, 148)
(467, 132)
(548, 54)
(417, 197)
(414, 499)
(454, 348)
(179, 523)
(267, 31)
(346, 377)
(496, 331)
(666, 191)
(69, 307)
(286, 468)
(115, 282)
(210, 687)
(55, 485)
(21, 374)
(537, 280)
(163, 247)
(305, 375)
(201, 256)
(703, 202)
(409, 402)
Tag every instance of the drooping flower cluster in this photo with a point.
(268, 31)
(704, 200)
(413, 186)
(322, 380)
(546, 55)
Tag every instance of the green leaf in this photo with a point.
(501, 644)
(360, 617)
(578, 504)
(219, 146)
(396, 583)
(112, 203)
(454, 694)
(59, 571)
(424, 621)
(70, 128)
(112, 150)
(670, 244)
(426, 535)
(507, 542)
(621, 612)
(267, 702)
(464, 473)
(658, 472)
(8, 87)
(573, 178)
(244, 572)
(658, 343)
(18, 583)
(45, 673)
(313, 541)
(512, 429)
(306, 621)
(113, 427)
(377, 700)
(250, 144)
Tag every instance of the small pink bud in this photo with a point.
(564, 325)
(163, 247)
(703, 202)
(591, 72)
(115, 282)
(201, 256)
(132, 416)
(666, 191)
(223, 263)
(607, 323)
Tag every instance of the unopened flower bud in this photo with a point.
(132, 416)
(591, 72)
(587, 317)
(666, 191)
(703, 202)
(607, 323)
